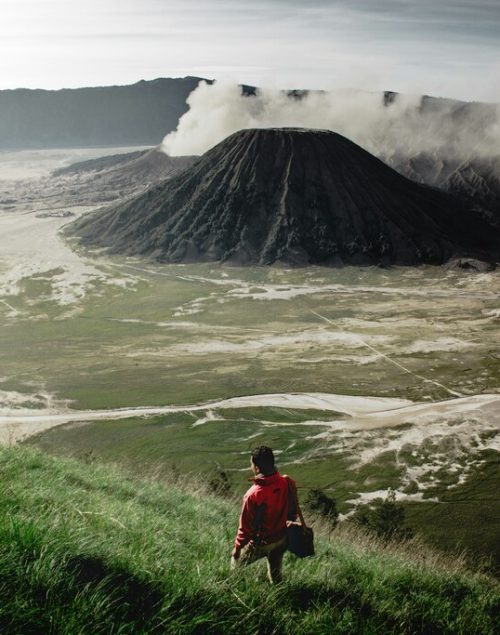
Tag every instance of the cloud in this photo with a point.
(406, 124)
(440, 47)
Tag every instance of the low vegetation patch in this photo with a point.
(87, 549)
(384, 517)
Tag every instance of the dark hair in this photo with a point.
(263, 458)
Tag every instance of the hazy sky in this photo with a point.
(439, 47)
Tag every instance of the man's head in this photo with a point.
(263, 460)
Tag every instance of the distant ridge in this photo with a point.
(295, 196)
(137, 114)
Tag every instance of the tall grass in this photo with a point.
(88, 549)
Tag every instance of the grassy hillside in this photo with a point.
(87, 549)
(467, 515)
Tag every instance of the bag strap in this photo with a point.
(296, 501)
(258, 520)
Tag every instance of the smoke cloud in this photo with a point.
(385, 125)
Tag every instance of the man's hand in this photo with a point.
(235, 553)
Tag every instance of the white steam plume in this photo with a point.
(407, 125)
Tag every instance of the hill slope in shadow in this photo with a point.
(137, 114)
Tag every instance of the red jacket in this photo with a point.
(265, 510)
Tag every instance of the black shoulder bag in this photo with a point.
(300, 537)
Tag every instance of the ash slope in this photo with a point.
(113, 178)
(477, 178)
(152, 164)
(296, 196)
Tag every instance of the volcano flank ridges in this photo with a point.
(295, 196)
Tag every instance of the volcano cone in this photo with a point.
(295, 196)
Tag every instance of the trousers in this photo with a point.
(273, 552)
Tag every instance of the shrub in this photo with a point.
(325, 506)
(219, 483)
(385, 517)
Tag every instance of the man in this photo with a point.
(264, 515)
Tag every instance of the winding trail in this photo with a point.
(348, 412)
(451, 392)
